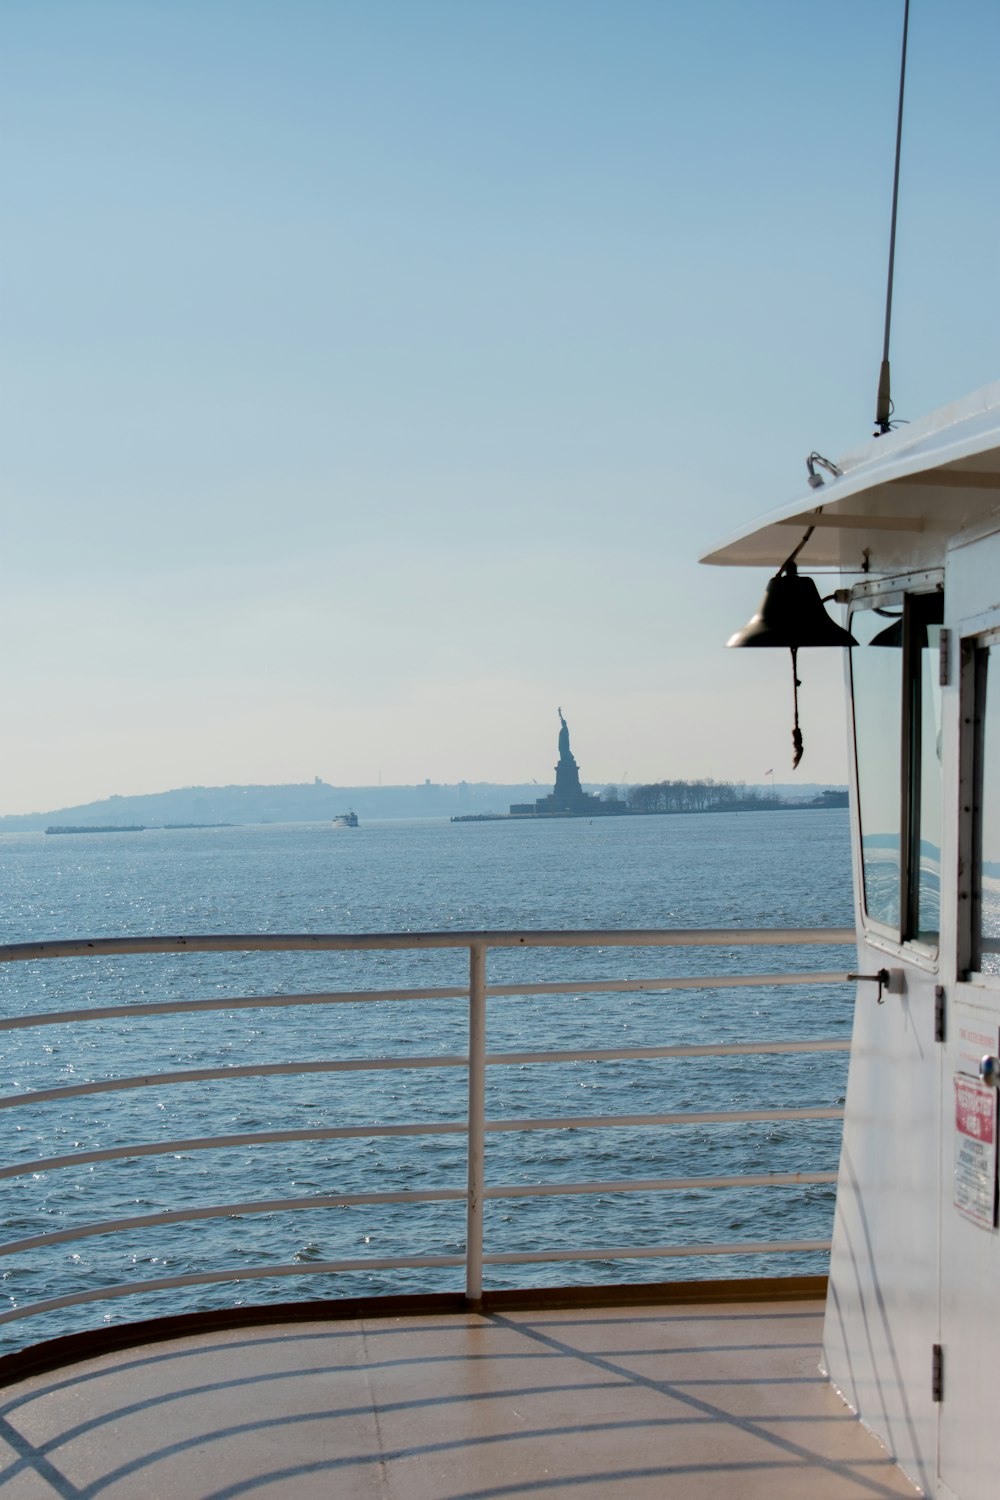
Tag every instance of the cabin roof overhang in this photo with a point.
(900, 500)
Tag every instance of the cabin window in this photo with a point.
(876, 680)
(924, 618)
(897, 727)
(986, 839)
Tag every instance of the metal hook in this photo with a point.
(883, 979)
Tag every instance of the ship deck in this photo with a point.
(623, 1401)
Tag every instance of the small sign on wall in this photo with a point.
(975, 1151)
(974, 1041)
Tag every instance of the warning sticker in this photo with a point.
(973, 1043)
(975, 1151)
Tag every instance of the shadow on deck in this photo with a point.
(690, 1401)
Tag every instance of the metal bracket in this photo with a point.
(937, 1373)
(944, 676)
(884, 979)
(939, 1013)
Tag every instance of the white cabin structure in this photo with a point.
(913, 524)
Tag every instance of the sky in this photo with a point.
(375, 371)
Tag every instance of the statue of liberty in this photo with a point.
(567, 798)
(567, 793)
(563, 736)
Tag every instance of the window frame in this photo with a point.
(977, 638)
(909, 592)
(911, 833)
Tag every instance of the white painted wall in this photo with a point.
(970, 1254)
(907, 1270)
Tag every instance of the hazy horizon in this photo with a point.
(780, 788)
(375, 373)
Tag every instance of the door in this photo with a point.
(970, 1239)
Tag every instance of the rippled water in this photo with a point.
(714, 870)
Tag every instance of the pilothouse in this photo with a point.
(912, 523)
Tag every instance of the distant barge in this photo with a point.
(127, 827)
(97, 828)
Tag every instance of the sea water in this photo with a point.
(763, 869)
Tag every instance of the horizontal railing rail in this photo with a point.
(415, 1195)
(234, 1072)
(358, 997)
(432, 1127)
(365, 942)
(475, 1058)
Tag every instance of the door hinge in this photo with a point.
(943, 674)
(937, 1373)
(939, 1013)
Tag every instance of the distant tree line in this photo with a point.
(690, 796)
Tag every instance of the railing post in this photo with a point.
(477, 1120)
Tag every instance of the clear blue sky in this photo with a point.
(374, 371)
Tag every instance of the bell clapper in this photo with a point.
(796, 731)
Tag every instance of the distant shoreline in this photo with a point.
(768, 805)
(128, 827)
(320, 802)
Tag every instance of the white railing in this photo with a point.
(476, 1127)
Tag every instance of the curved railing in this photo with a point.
(475, 1060)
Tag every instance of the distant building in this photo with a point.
(835, 797)
(567, 798)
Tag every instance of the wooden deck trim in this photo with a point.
(54, 1354)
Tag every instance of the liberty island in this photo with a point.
(567, 798)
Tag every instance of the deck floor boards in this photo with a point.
(631, 1402)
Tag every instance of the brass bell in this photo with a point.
(791, 614)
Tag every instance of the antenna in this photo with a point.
(883, 403)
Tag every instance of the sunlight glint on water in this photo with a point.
(717, 870)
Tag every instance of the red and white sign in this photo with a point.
(975, 1150)
(974, 1042)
